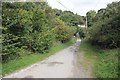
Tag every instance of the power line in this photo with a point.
(62, 5)
(65, 6)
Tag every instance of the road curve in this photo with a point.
(59, 65)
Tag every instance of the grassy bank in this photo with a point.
(0, 69)
(105, 62)
(32, 58)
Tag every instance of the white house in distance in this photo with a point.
(83, 26)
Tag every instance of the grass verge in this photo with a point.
(0, 69)
(89, 56)
(105, 62)
(25, 61)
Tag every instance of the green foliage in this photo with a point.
(27, 60)
(16, 25)
(82, 32)
(105, 62)
(30, 27)
(90, 17)
(105, 32)
(41, 37)
(69, 18)
(57, 12)
(63, 32)
(24, 26)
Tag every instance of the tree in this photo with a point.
(90, 17)
(30, 27)
(71, 19)
(105, 32)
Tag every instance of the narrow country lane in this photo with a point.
(59, 65)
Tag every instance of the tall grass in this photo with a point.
(105, 61)
(107, 64)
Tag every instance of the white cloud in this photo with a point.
(79, 6)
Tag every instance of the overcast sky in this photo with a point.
(79, 6)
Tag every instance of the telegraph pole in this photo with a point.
(86, 24)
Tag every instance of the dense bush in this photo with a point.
(82, 32)
(107, 64)
(30, 27)
(63, 32)
(71, 19)
(105, 32)
(91, 18)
